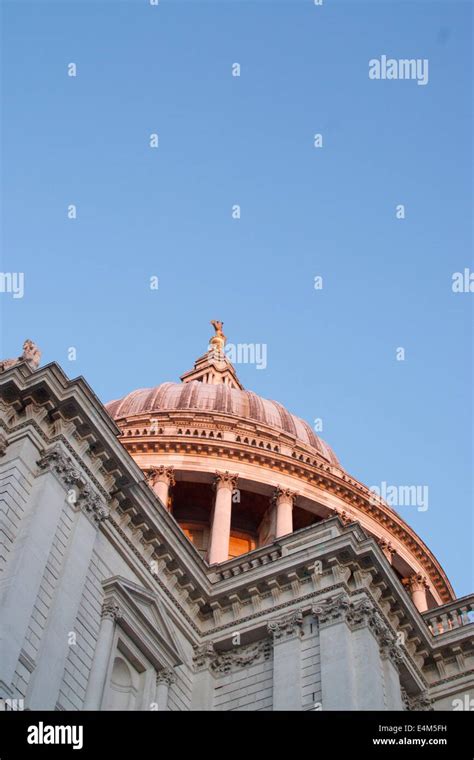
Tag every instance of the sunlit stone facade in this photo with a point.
(195, 546)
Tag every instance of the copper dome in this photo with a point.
(222, 399)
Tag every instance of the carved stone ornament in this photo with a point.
(225, 480)
(332, 610)
(161, 474)
(3, 445)
(389, 648)
(56, 461)
(364, 613)
(165, 675)
(203, 655)
(283, 495)
(111, 610)
(31, 355)
(386, 546)
(241, 657)
(421, 702)
(289, 625)
(416, 582)
(92, 504)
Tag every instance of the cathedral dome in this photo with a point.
(222, 399)
(208, 435)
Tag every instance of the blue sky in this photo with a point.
(248, 140)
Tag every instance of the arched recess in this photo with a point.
(123, 686)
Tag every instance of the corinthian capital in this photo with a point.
(56, 461)
(333, 610)
(391, 650)
(111, 610)
(416, 582)
(289, 625)
(386, 547)
(225, 480)
(204, 655)
(284, 494)
(161, 474)
(421, 701)
(364, 613)
(166, 675)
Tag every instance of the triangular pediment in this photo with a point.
(145, 619)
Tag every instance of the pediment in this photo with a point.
(146, 621)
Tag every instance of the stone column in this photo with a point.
(284, 499)
(203, 682)
(164, 679)
(103, 650)
(337, 662)
(287, 634)
(417, 586)
(161, 479)
(224, 483)
(367, 626)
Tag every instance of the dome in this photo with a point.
(197, 396)
(207, 432)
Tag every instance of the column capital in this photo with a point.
(364, 614)
(391, 651)
(281, 495)
(332, 610)
(55, 460)
(111, 610)
(166, 676)
(416, 582)
(225, 480)
(161, 474)
(284, 627)
(386, 547)
(204, 655)
(420, 702)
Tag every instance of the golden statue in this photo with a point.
(218, 340)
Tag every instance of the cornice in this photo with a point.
(320, 475)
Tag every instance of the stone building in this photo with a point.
(195, 546)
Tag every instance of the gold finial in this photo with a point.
(218, 340)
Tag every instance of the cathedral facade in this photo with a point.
(194, 546)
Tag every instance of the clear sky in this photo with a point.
(305, 211)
